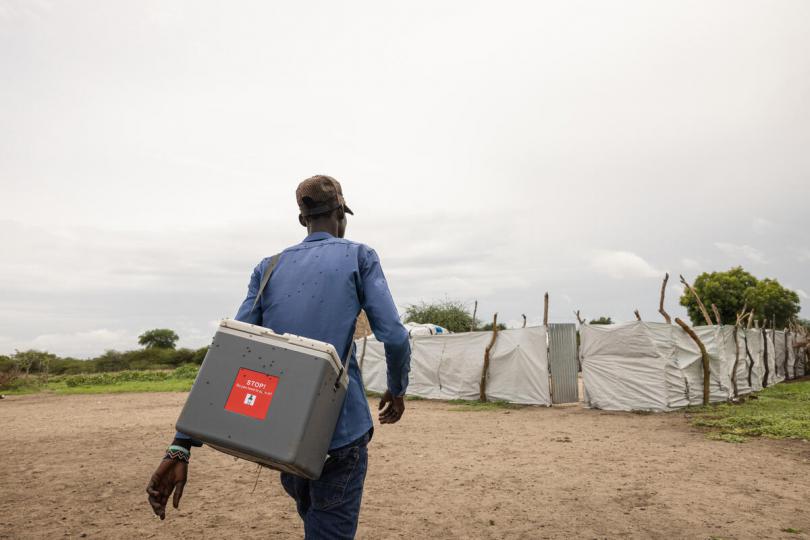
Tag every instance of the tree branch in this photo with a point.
(717, 315)
(699, 301)
(661, 309)
(704, 357)
(482, 394)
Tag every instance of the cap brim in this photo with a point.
(347, 210)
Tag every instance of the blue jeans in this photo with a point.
(330, 505)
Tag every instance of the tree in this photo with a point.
(602, 320)
(159, 338)
(724, 289)
(732, 290)
(33, 361)
(449, 314)
(773, 302)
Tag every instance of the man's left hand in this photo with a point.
(391, 413)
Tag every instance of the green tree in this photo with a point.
(773, 302)
(602, 320)
(730, 291)
(33, 361)
(159, 338)
(450, 314)
(724, 289)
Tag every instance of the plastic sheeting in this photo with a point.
(658, 367)
(449, 366)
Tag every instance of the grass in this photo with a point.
(467, 405)
(463, 404)
(176, 380)
(778, 412)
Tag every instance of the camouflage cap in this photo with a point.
(320, 194)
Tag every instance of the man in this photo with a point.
(316, 290)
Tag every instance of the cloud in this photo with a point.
(762, 226)
(622, 264)
(802, 294)
(690, 264)
(802, 254)
(742, 250)
(81, 344)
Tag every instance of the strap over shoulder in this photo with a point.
(266, 277)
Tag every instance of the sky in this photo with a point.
(491, 151)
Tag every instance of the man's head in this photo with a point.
(321, 205)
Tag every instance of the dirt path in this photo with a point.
(78, 465)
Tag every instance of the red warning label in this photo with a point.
(251, 393)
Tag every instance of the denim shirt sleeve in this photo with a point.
(376, 300)
(244, 314)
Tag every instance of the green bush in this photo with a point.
(449, 314)
(188, 371)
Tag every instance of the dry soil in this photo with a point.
(77, 466)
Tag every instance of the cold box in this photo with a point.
(268, 398)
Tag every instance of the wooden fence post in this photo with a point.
(485, 371)
(704, 356)
(699, 301)
(661, 309)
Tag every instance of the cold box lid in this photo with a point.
(225, 411)
(289, 341)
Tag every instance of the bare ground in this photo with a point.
(78, 465)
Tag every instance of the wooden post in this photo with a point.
(475, 311)
(736, 360)
(638, 316)
(524, 320)
(363, 354)
(484, 372)
(737, 328)
(765, 357)
(699, 301)
(661, 309)
(717, 315)
(579, 319)
(750, 359)
(545, 309)
(704, 356)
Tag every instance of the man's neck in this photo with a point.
(328, 228)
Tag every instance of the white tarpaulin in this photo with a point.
(449, 366)
(657, 366)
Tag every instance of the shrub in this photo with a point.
(450, 314)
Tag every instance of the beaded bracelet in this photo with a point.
(177, 453)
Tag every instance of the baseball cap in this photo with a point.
(320, 194)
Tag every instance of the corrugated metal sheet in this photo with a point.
(562, 360)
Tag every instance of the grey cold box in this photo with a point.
(268, 398)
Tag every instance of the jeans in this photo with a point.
(330, 505)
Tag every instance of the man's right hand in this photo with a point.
(170, 476)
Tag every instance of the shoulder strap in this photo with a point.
(266, 277)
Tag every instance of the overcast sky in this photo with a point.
(149, 153)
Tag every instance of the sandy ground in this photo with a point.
(77, 466)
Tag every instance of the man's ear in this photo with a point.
(302, 220)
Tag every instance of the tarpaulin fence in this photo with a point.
(657, 367)
(449, 366)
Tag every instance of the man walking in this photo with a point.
(316, 290)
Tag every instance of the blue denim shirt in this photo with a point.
(317, 290)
